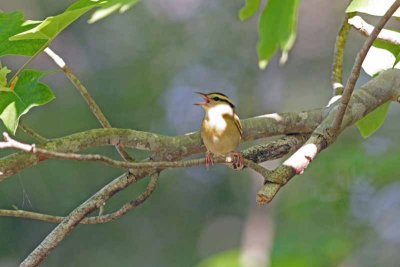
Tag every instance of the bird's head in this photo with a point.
(213, 100)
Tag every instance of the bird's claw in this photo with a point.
(237, 160)
(209, 159)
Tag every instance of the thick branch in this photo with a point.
(170, 147)
(282, 146)
(276, 149)
(153, 165)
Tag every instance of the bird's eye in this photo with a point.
(216, 98)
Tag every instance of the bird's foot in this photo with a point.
(209, 159)
(237, 160)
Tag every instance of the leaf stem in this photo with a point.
(28, 62)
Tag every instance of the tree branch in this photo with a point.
(11, 143)
(284, 145)
(355, 72)
(366, 29)
(275, 149)
(170, 147)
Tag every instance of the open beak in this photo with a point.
(205, 98)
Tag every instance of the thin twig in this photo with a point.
(87, 97)
(355, 72)
(29, 131)
(366, 29)
(337, 68)
(88, 220)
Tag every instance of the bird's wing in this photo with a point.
(238, 124)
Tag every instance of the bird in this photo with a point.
(221, 130)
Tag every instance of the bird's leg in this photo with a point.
(209, 159)
(237, 160)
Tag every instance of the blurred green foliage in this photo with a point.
(372, 7)
(283, 16)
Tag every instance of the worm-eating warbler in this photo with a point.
(221, 130)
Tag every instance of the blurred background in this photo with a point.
(142, 68)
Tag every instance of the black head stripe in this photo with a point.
(221, 98)
(217, 93)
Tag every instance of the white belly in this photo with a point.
(219, 135)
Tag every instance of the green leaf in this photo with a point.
(277, 29)
(3, 76)
(111, 7)
(372, 7)
(28, 93)
(11, 24)
(52, 26)
(229, 258)
(373, 121)
(249, 9)
(381, 56)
